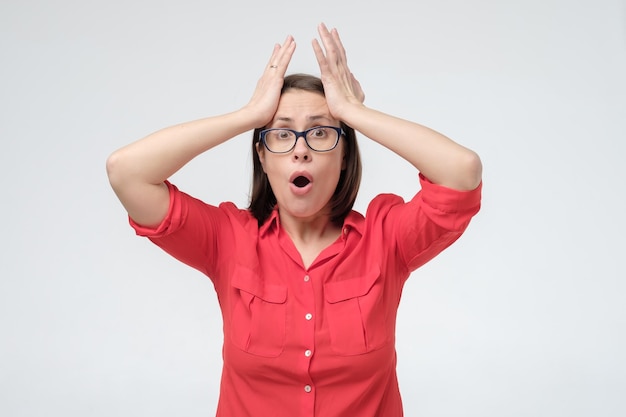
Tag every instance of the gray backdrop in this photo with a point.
(523, 316)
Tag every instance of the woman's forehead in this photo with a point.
(302, 106)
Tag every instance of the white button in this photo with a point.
(307, 353)
(308, 316)
(307, 278)
(307, 388)
(345, 230)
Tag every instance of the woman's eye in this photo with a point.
(319, 133)
(283, 134)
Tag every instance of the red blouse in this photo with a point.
(317, 341)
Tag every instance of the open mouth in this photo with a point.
(301, 181)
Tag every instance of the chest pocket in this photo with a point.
(258, 314)
(357, 315)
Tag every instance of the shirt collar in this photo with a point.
(271, 222)
(353, 221)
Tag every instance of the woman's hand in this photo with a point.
(264, 101)
(340, 86)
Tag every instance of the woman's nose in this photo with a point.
(301, 150)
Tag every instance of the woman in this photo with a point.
(308, 288)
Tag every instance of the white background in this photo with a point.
(523, 316)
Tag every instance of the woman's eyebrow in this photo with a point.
(318, 117)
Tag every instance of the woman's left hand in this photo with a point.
(340, 86)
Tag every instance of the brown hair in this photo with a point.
(262, 198)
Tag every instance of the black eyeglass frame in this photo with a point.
(303, 134)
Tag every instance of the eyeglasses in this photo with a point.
(318, 138)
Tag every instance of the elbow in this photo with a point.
(474, 171)
(114, 168)
(471, 171)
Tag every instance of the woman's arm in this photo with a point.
(137, 171)
(437, 157)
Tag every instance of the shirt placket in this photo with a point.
(307, 321)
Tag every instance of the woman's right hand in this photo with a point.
(266, 96)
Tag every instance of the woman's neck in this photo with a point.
(310, 236)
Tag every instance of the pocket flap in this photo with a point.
(346, 289)
(249, 281)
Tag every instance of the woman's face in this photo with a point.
(303, 180)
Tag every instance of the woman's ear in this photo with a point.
(260, 151)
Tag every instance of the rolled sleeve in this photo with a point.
(434, 219)
(448, 208)
(190, 231)
(173, 219)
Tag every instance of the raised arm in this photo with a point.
(137, 171)
(437, 157)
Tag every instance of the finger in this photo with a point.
(281, 56)
(328, 42)
(274, 55)
(338, 44)
(319, 55)
(286, 51)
